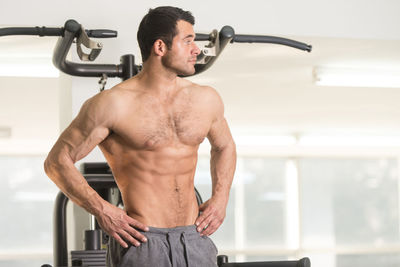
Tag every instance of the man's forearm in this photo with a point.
(113, 220)
(71, 182)
(213, 211)
(223, 164)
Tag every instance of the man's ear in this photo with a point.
(159, 47)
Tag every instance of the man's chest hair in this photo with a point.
(154, 126)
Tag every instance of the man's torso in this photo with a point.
(152, 151)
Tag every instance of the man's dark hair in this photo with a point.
(160, 23)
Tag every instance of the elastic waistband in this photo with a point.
(189, 229)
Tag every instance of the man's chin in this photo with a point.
(187, 72)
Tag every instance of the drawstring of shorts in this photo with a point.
(184, 241)
(183, 238)
(172, 254)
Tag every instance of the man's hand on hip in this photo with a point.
(116, 223)
(212, 216)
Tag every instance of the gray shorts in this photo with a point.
(165, 247)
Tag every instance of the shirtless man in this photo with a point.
(149, 129)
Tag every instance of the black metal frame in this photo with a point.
(72, 30)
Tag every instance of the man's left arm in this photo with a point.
(222, 165)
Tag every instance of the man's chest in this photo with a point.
(157, 126)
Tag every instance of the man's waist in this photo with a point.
(187, 229)
(165, 217)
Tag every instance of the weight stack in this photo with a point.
(93, 255)
(89, 258)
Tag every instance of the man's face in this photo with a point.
(183, 53)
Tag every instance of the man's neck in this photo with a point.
(158, 79)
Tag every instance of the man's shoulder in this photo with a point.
(107, 104)
(207, 98)
(116, 95)
(201, 90)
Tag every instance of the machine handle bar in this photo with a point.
(246, 38)
(46, 31)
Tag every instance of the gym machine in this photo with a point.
(99, 175)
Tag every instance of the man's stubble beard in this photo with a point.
(168, 63)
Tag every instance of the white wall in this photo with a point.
(25, 100)
(30, 108)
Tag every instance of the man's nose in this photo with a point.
(196, 49)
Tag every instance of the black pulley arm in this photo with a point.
(246, 38)
(46, 31)
(210, 53)
(39, 31)
(72, 30)
(242, 38)
(218, 41)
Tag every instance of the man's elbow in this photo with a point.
(54, 163)
(50, 164)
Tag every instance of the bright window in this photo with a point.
(26, 203)
(340, 212)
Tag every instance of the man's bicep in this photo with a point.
(79, 140)
(219, 134)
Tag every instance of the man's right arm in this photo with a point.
(92, 125)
